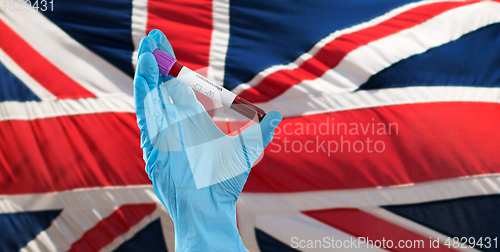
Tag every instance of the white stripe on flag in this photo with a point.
(282, 203)
(410, 225)
(79, 63)
(13, 110)
(167, 228)
(139, 21)
(220, 40)
(67, 228)
(88, 198)
(286, 226)
(298, 105)
(332, 36)
(31, 83)
(78, 216)
(359, 65)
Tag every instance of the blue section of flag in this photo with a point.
(148, 239)
(103, 26)
(265, 33)
(17, 229)
(13, 89)
(464, 217)
(472, 60)
(268, 243)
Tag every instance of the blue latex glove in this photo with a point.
(197, 171)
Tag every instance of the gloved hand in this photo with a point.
(197, 171)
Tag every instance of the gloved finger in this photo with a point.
(256, 138)
(161, 41)
(181, 94)
(146, 112)
(148, 68)
(162, 44)
(268, 124)
(158, 92)
(147, 45)
(264, 131)
(146, 98)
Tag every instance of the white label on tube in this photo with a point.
(206, 86)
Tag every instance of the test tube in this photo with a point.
(169, 66)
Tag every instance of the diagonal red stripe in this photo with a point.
(361, 224)
(38, 67)
(333, 52)
(109, 228)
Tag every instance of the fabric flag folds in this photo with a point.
(389, 131)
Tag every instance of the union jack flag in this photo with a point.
(390, 130)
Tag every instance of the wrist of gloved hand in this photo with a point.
(200, 226)
(199, 230)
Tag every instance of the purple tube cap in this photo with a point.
(164, 60)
